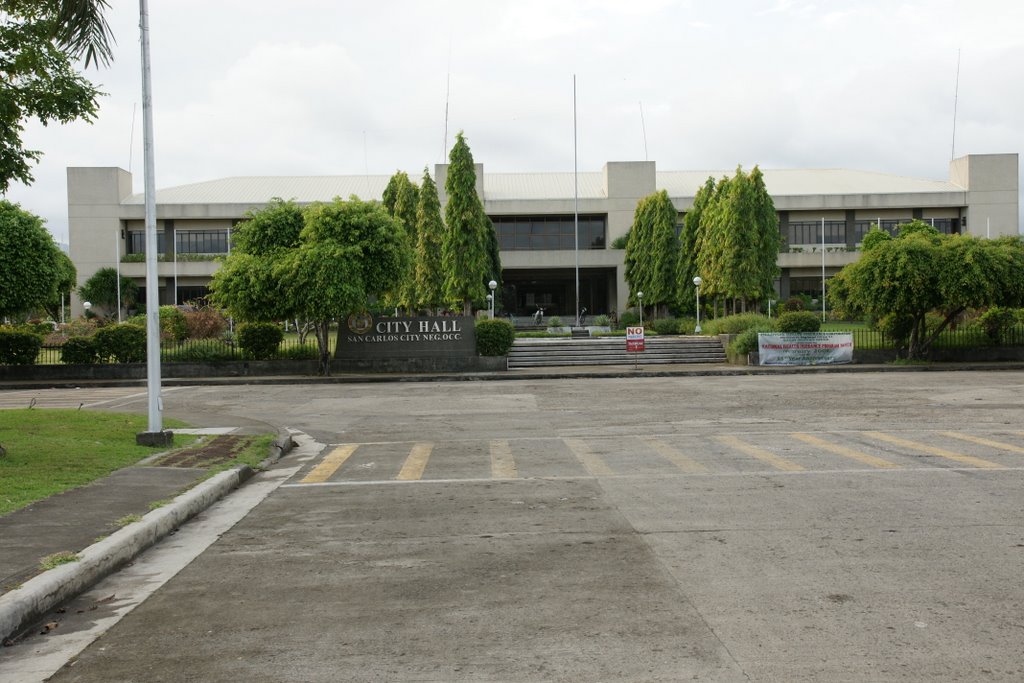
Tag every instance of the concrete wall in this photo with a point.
(94, 221)
(992, 184)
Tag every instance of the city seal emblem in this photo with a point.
(360, 323)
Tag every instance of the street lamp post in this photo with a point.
(640, 298)
(696, 283)
(490, 297)
(86, 305)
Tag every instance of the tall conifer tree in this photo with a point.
(689, 245)
(430, 231)
(464, 249)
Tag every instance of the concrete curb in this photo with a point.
(21, 607)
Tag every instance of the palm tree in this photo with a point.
(83, 29)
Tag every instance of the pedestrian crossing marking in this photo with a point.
(932, 450)
(760, 454)
(985, 442)
(503, 466)
(674, 455)
(414, 465)
(330, 464)
(864, 458)
(594, 465)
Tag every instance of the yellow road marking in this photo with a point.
(673, 455)
(760, 454)
(985, 442)
(330, 464)
(844, 451)
(591, 463)
(503, 466)
(932, 450)
(414, 465)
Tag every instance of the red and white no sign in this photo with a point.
(634, 339)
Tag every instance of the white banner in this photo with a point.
(805, 348)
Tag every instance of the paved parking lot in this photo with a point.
(862, 527)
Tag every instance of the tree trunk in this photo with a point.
(323, 340)
(467, 307)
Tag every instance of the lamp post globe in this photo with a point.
(86, 305)
(490, 297)
(697, 281)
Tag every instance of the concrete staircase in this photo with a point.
(534, 353)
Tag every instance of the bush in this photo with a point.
(799, 321)
(123, 343)
(602, 321)
(735, 324)
(997, 321)
(204, 323)
(494, 337)
(793, 304)
(629, 319)
(201, 351)
(553, 321)
(19, 348)
(173, 326)
(79, 351)
(686, 325)
(259, 341)
(746, 342)
(666, 326)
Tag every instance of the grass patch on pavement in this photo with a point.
(50, 451)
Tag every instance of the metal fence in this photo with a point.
(207, 350)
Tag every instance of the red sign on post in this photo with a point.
(634, 339)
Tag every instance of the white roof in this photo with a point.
(538, 186)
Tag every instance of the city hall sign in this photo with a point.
(366, 336)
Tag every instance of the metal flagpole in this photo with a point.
(576, 201)
(155, 435)
(822, 269)
(117, 263)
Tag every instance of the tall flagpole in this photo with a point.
(822, 269)
(576, 201)
(155, 435)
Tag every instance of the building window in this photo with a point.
(809, 232)
(201, 241)
(136, 242)
(195, 295)
(548, 233)
(862, 228)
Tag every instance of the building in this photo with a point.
(823, 215)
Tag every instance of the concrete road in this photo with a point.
(840, 527)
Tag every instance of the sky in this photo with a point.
(329, 87)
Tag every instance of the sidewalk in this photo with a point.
(102, 517)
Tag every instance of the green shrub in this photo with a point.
(997, 321)
(299, 352)
(794, 303)
(494, 337)
(201, 351)
(629, 319)
(602, 321)
(666, 326)
(19, 348)
(686, 325)
(554, 321)
(173, 326)
(734, 324)
(79, 351)
(259, 341)
(799, 321)
(123, 343)
(746, 342)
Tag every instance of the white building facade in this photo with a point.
(533, 215)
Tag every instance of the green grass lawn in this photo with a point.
(49, 451)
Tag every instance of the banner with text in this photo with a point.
(805, 348)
